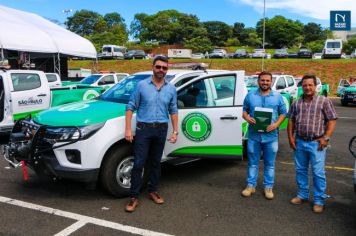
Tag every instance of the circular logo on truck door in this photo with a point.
(90, 94)
(196, 127)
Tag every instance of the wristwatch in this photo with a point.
(175, 132)
(326, 138)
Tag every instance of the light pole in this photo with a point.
(263, 34)
(67, 11)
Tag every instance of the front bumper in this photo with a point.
(346, 97)
(28, 143)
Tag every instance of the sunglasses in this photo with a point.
(158, 67)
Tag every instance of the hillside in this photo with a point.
(330, 71)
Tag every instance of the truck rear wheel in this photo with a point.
(344, 103)
(325, 94)
(115, 173)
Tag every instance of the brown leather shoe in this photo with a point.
(318, 208)
(298, 200)
(131, 206)
(156, 198)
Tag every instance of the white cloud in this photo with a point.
(317, 9)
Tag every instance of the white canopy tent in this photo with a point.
(28, 32)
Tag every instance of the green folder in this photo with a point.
(263, 117)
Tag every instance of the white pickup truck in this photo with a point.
(105, 80)
(88, 142)
(27, 92)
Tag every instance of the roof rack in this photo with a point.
(191, 65)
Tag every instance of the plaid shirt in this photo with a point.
(311, 117)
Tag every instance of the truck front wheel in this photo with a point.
(344, 103)
(116, 171)
(325, 94)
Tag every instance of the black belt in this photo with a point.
(308, 139)
(151, 125)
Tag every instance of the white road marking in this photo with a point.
(345, 117)
(81, 218)
(71, 229)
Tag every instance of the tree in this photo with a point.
(280, 32)
(86, 22)
(253, 40)
(169, 25)
(313, 32)
(114, 19)
(316, 46)
(237, 30)
(218, 32)
(198, 44)
(350, 45)
(232, 42)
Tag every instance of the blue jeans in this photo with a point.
(254, 151)
(148, 144)
(308, 152)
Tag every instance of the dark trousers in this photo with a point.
(148, 144)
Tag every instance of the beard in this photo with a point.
(159, 75)
(263, 88)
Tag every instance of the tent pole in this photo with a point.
(2, 54)
(57, 64)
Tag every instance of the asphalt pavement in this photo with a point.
(202, 198)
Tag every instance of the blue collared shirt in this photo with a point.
(273, 100)
(153, 105)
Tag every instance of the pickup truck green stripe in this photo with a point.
(216, 150)
(25, 114)
(81, 113)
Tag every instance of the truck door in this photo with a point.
(30, 92)
(210, 117)
(292, 87)
(343, 83)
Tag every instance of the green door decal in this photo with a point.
(196, 127)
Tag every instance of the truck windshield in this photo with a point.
(122, 91)
(90, 79)
(106, 49)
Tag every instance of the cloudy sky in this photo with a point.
(229, 11)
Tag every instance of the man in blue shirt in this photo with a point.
(265, 143)
(155, 100)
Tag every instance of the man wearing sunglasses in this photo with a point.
(155, 100)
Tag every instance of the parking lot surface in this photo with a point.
(202, 198)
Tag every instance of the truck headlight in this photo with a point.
(65, 134)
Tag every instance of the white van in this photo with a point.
(332, 48)
(112, 52)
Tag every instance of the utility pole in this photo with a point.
(264, 29)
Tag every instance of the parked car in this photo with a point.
(280, 53)
(218, 53)
(259, 53)
(241, 53)
(321, 88)
(280, 83)
(353, 54)
(305, 53)
(332, 48)
(318, 55)
(135, 54)
(198, 55)
(292, 55)
(347, 92)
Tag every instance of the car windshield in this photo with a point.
(131, 52)
(122, 91)
(106, 49)
(251, 81)
(298, 81)
(281, 51)
(90, 79)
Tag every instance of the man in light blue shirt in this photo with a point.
(155, 100)
(265, 143)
